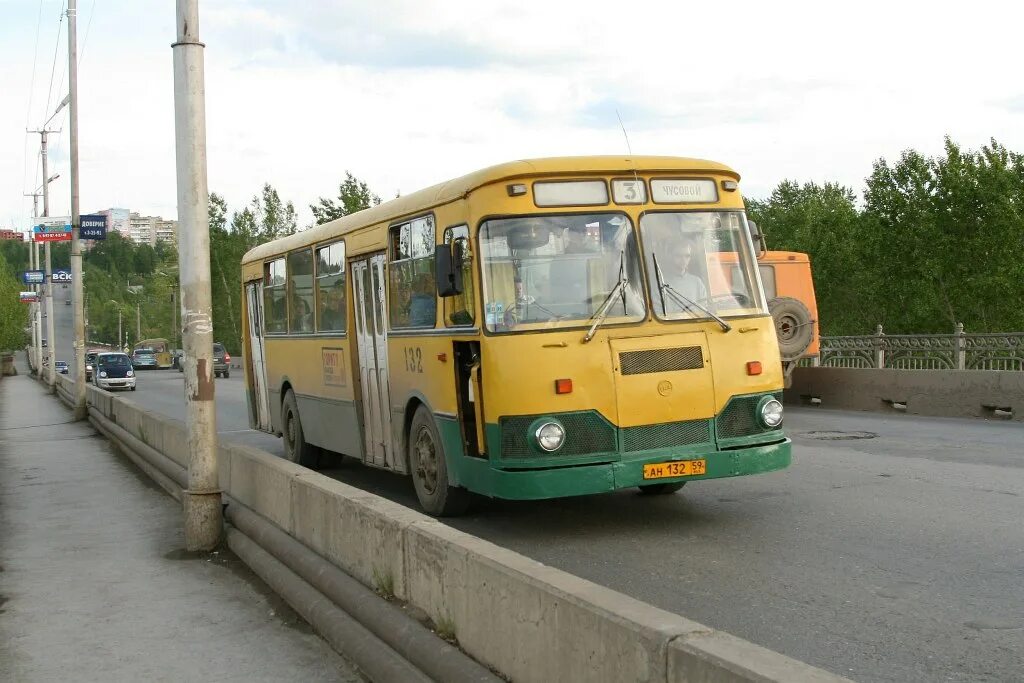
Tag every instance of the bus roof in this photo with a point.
(451, 190)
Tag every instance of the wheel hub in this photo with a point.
(426, 460)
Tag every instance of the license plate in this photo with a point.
(679, 468)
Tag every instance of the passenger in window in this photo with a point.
(423, 307)
(302, 321)
(333, 317)
(575, 239)
(678, 271)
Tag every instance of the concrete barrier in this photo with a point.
(529, 621)
(941, 393)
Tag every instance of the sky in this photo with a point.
(405, 94)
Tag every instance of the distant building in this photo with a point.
(117, 220)
(11, 235)
(152, 229)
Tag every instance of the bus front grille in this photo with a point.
(586, 433)
(661, 360)
(740, 419)
(667, 435)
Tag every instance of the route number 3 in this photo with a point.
(414, 359)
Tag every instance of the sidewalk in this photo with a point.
(95, 584)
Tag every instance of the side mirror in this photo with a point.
(448, 259)
(758, 237)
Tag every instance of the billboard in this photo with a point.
(29, 297)
(63, 276)
(52, 229)
(93, 227)
(33, 277)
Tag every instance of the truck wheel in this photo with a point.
(430, 469)
(295, 447)
(793, 326)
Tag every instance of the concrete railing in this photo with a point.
(941, 393)
(517, 616)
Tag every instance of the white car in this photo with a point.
(113, 371)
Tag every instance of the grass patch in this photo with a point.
(384, 584)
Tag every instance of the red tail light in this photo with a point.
(227, 357)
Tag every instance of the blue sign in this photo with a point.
(33, 277)
(93, 227)
(60, 276)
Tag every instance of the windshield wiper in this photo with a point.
(688, 304)
(620, 290)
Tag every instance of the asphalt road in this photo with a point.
(891, 550)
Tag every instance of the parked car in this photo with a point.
(145, 359)
(221, 361)
(114, 371)
(61, 366)
(90, 360)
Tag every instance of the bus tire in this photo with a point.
(662, 489)
(295, 447)
(793, 326)
(429, 469)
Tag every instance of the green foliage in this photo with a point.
(937, 241)
(13, 313)
(353, 195)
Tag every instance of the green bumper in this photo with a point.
(478, 475)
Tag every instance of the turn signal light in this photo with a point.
(563, 386)
(754, 367)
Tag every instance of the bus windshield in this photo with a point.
(700, 265)
(556, 271)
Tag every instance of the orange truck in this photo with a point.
(789, 288)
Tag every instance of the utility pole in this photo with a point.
(202, 500)
(33, 312)
(47, 282)
(76, 216)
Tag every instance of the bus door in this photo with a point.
(261, 397)
(371, 339)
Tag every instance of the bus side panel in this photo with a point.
(319, 372)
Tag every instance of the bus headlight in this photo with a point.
(770, 412)
(550, 436)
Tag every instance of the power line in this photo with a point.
(56, 49)
(31, 90)
(85, 41)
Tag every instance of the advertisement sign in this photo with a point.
(29, 297)
(62, 276)
(56, 229)
(93, 227)
(33, 277)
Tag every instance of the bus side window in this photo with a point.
(330, 288)
(300, 290)
(768, 280)
(458, 309)
(412, 290)
(274, 302)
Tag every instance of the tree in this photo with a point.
(821, 220)
(273, 218)
(13, 313)
(353, 195)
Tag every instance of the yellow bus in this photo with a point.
(161, 349)
(541, 328)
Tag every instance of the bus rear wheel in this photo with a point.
(295, 447)
(663, 489)
(430, 469)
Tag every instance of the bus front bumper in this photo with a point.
(579, 480)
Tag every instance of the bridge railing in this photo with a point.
(956, 351)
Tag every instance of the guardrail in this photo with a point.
(530, 622)
(956, 351)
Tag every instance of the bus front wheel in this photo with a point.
(430, 469)
(662, 489)
(295, 446)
